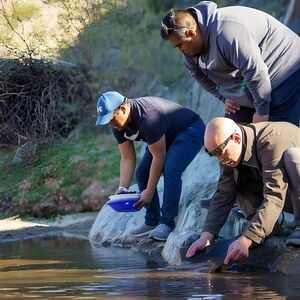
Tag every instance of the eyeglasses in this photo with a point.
(219, 150)
(165, 30)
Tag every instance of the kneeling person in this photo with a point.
(260, 169)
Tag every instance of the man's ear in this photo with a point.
(236, 137)
(123, 107)
(190, 33)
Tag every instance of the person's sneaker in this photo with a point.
(294, 238)
(142, 230)
(161, 232)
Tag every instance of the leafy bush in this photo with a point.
(24, 11)
(70, 165)
(15, 12)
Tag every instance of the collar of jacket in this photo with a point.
(249, 146)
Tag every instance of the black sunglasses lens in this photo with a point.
(208, 152)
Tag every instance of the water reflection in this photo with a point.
(60, 268)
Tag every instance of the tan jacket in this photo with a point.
(259, 183)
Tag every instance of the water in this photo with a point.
(69, 268)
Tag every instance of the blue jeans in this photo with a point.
(179, 155)
(285, 104)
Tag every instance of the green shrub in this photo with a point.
(70, 166)
(24, 11)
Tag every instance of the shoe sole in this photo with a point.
(156, 238)
(143, 233)
(292, 242)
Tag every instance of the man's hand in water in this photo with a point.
(204, 241)
(238, 250)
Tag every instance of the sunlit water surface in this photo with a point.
(69, 268)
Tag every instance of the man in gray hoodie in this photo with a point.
(243, 56)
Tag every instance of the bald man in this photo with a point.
(243, 56)
(260, 169)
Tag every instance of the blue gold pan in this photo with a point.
(123, 202)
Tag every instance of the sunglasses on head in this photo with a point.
(219, 150)
(167, 29)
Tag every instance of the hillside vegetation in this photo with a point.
(112, 44)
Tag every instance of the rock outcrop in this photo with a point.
(199, 184)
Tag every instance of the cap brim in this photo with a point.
(102, 120)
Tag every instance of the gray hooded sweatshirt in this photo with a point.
(246, 54)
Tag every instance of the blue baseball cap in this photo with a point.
(106, 105)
